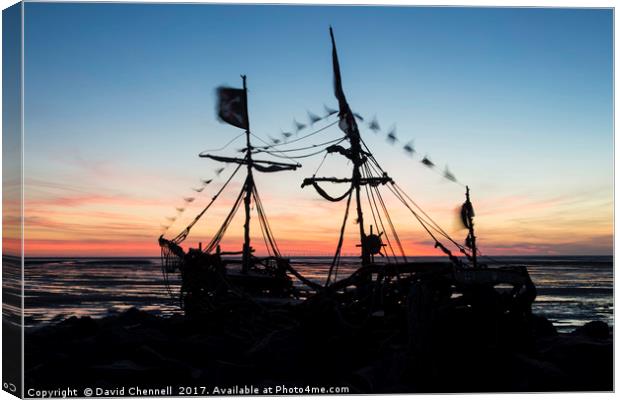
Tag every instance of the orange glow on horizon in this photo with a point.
(61, 222)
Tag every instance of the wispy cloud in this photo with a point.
(76, 217)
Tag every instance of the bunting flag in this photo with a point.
(329, 111)
(232, 108)
(313, 118)
(207, 181)
(409, 148)
(298, 125)
(286, 135)
(374, 125)
(426, 161)
(391, 137)
(448, 175)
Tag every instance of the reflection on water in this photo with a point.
(571, 290)
(11, 290)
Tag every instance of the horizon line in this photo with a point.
(320, 255)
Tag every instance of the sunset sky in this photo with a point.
(120, 99)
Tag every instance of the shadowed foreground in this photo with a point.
(317, 347)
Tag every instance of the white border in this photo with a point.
(469, 3)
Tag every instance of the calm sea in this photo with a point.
(571, 290)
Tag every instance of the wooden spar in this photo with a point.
(471, 231)
(245, 161)
(355, 154)
(249, 186)
(356, 149)
(361, 181)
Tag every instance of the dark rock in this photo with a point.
(594, 329)
(587, 363)
(79, 326)
(131, 317)
(321, 346)
(542, 327)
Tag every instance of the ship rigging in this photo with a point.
(374, 288)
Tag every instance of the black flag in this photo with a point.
(231, 107)
(342, 101)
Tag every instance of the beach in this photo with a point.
(571, 290)
(115, 322)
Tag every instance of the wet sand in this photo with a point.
(571, 290)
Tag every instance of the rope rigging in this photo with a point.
(226, 145)
(367, 172)
(267, 232)
(262, 140)
(431, 222)
(434, 225)
(217, 238)
(301, 137)
(371, 202)
(390, 223)
(374, 192)
(265, 227)
(401, 194)
(325, 195)
(261, 150)
(438, 244)
(183, 235)
(281, 153)
(374, 197)
(316, 171)
(409, 149)
(336, 260)
(294, 157)
(378, 207)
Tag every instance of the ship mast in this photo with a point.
(233, 109)
(355, 154)
(358, 160)
(468, 219)
(349, 126)
(249, 185)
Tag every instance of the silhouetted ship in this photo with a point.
(210, 275)
(383, 287)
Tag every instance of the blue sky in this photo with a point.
(518, 102)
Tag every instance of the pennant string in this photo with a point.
(313, 118)
(409, 149)
(269, 146)
(187, 200)
(231, 141)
